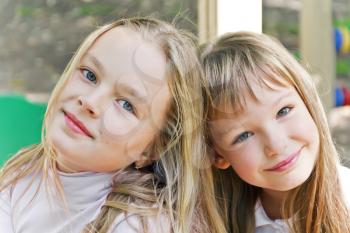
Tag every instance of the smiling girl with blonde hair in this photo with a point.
(120, 135)
(269, 134)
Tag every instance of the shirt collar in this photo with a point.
(261, 218)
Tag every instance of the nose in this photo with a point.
(92, 102)
(276, 139)
(87, 106)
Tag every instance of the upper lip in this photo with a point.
(284, 162)
(78, 123)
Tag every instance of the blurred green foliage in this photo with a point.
(20, 124)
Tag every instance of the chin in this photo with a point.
(291, 185)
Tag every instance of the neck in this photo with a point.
(272, 202)
(61, 166)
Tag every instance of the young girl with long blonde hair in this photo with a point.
(119, 138)
(269, 134)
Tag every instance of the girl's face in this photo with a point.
(273, 143)
(112, 106)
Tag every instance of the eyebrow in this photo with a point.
(242, 113)
(131, 91)
(283, 96)
(96, 62)
(224, 131)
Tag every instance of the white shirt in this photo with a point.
(85, 194)
(265, 225)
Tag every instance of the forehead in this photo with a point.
(123, 56)
(234, 97)
(123, 52)
(266, 102)
(259, 95)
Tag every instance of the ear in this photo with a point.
(220, 162)
(143, 161)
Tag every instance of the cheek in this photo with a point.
(145, 134)
(73, 87)
(52, 129)
(133, 143)
(245, 161)
(159, 107)
(304, 128)
(118, 152)
(55, 122)
(118, 123)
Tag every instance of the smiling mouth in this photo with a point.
(75, 124)
(285, 164)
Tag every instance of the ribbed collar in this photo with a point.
(85, 188)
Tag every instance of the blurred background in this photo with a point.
(288, 20)
(38, 37)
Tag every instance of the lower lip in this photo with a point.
(287, 165)
(71, 125)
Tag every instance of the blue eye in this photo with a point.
(126, 105)
(242, 137)
(283, 111)
(89, 75)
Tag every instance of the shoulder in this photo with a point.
(19, 194)
(344, 177)
(132, 223)
(5, 200)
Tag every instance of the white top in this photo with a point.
(85, 194)
(265, 225)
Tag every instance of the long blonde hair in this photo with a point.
(230, 64)
(171, 184)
